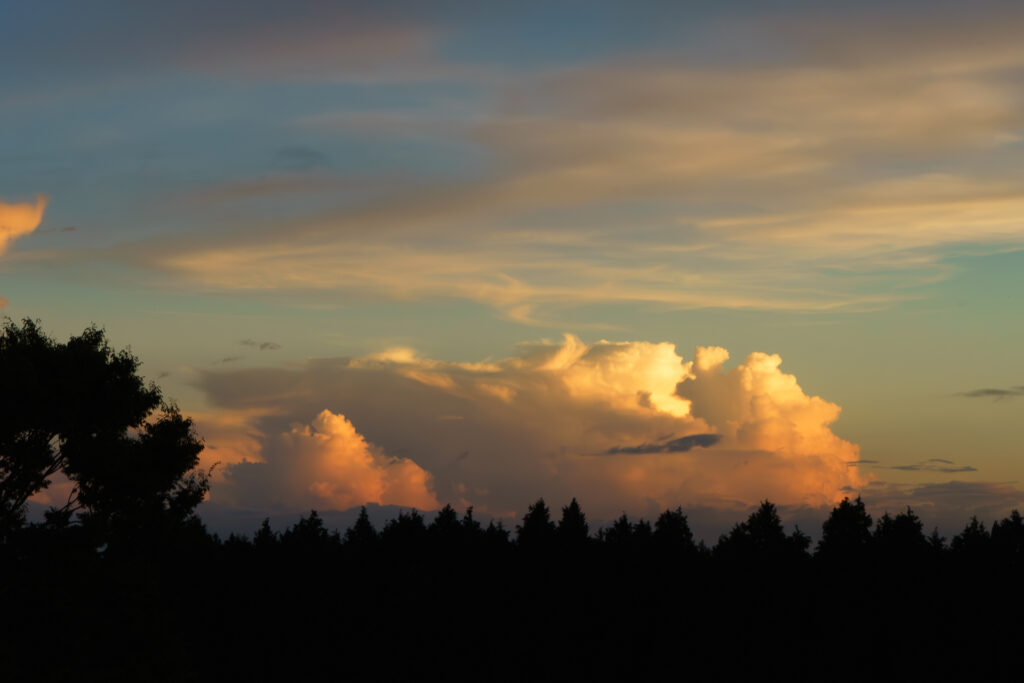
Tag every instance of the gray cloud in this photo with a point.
(680, 445)
(262, 346)
(929, 465)
(994, 393)
(299, 158)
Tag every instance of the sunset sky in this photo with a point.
(645, 254)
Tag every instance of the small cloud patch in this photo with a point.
(262, 346)
(680, 445)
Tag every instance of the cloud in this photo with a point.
(299, 158)
(947, 505)
(262, 346)
(680, 445)
(933, 465)
(18, 220)
(326, 464)
(929, 465)
(314, 41)
(994, 393)
(679, 183)
(533, 421)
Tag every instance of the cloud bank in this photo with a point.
(497, 434)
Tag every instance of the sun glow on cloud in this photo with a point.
(18, 220)
(327, 464)
(624, 425)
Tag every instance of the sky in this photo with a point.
(645, 254)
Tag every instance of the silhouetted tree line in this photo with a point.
(123, 582)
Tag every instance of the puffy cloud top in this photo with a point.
(605, 422)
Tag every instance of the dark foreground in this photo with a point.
(453, 601)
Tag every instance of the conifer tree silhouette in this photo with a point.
(265, 539)
(361, 536)
(672, 533)
(846, 533)
(1008, 538)
(537, 530)
(974, 541)
(573, 529)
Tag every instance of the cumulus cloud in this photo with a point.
(500, 433)
(326, 464)
(18, 220)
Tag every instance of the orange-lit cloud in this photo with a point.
(603, 422)
(326, 464)
(18, 220)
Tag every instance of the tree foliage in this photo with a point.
(80, 409)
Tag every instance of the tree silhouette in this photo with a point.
(762, 537)
(81, 409)
(846, 533)
(974, 541)
(672, 533)
(308, 536)
(1008, 538)
(407, 532)
(619, 534)
(573, 529)
(901, 537)
(265, 538)
(496, 535)
(445, 529)
(361, 536)
(537, 530)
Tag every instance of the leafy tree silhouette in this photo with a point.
(81, 409)
(846, 534)
(537, 530)
(572, 530)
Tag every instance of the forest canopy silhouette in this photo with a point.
(127, 543)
